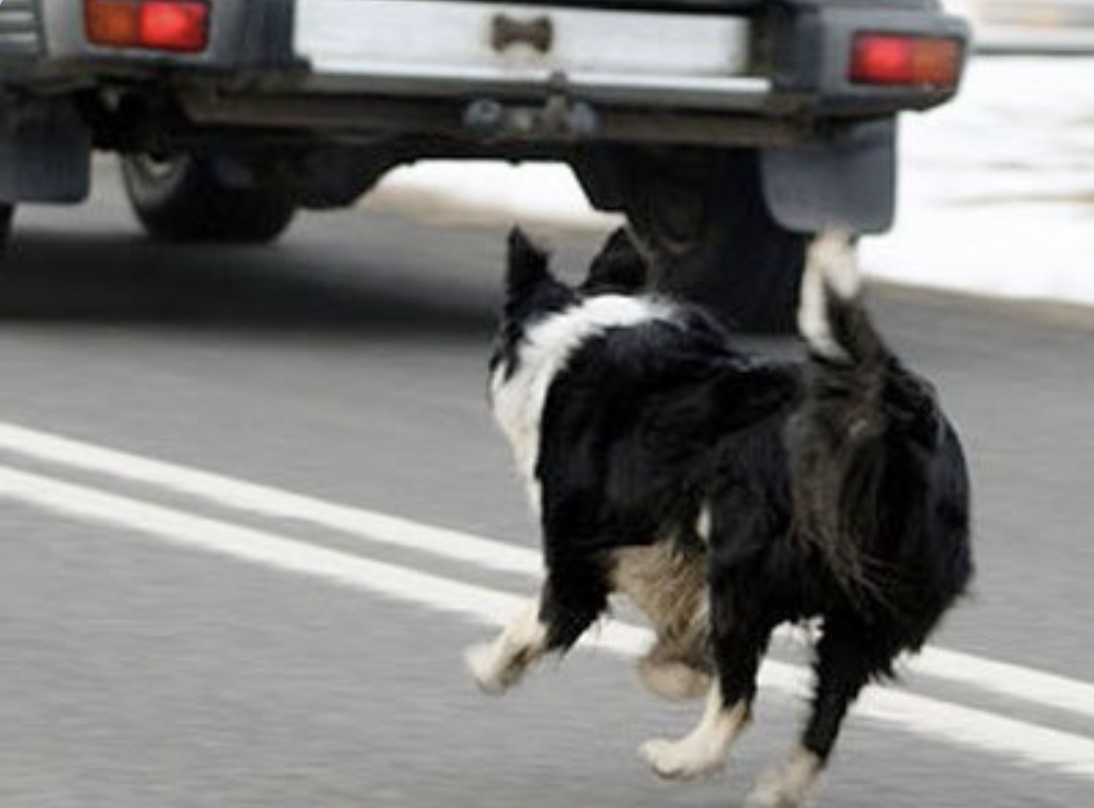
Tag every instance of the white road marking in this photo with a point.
(1013, 681)
(256, 546)
(270, 502)
(1063, 751)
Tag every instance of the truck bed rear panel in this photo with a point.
(445, 41)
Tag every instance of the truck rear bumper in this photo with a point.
(764, 59)
(510, 80)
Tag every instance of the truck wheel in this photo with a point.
(183, 198)
(704, 218)
(7, 212)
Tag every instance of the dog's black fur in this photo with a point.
(832, 488)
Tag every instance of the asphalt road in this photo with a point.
(151, 659)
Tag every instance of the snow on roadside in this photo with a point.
(489, 192)
(996, 194)
(997, 189)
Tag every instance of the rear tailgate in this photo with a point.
(658, 58)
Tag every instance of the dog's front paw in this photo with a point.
(491, 672)
(682, 760)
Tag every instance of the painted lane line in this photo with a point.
(256, 546)
(1005, 679)
(270, 502)
(1064, 752)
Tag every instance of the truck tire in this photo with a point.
(184, 198)
(705, 220)
(7, 213)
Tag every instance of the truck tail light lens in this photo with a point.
(175, 26)
(168, 25)
(906, 61)
(114, 23)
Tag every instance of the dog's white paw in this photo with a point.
(772, 795)
(682, 760)
(788, 785)
(491, 672)
(674, 681)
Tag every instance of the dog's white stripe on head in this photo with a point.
(518, 396)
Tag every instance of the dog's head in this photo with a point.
(533, 293)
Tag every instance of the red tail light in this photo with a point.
(168, 25)
(112, 22)
(175, 26)
(911, 61)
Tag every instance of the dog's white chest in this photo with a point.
(518, 414)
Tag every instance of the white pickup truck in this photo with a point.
(725, 130)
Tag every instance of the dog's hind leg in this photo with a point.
(846, 661)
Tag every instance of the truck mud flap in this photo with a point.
(848, 181)
(45, 152)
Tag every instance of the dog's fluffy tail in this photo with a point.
(837, 458)
(831, 315)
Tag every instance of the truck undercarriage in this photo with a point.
(724, 129)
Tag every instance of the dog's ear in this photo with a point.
(527, 265)
(619, 267)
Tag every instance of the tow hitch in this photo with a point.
(559, 117)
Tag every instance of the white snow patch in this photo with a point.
(477, 191)
(997, 189)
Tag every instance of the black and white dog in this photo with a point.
(725, 494)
